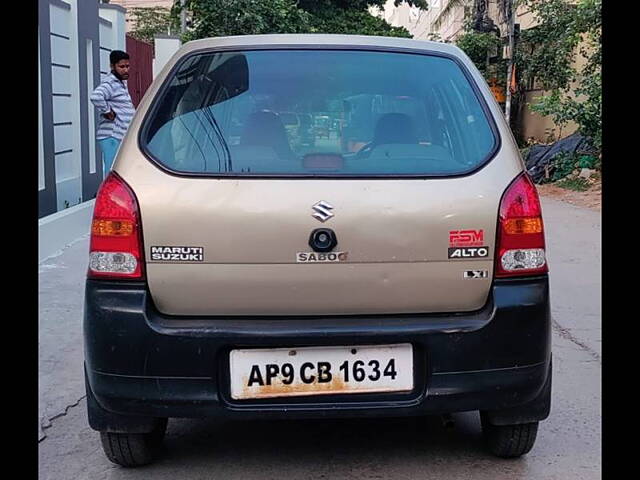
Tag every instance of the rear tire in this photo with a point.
(133, 449)
(509, 441)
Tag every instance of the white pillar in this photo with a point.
(116, 15)
(165, 46)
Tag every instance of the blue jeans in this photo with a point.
(109, 147)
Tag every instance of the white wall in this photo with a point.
(41, 181)
(165, 47)
(90, 107)
(107, 44)
(117, 31)
(112, 35)
(66, 104)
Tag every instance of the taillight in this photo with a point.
(116, 241)
(520, 247)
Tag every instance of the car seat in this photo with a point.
(265, 129)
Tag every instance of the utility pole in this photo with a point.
(183, 17)
(510, 30)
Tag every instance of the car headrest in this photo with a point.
(265, 129)
(394, 128)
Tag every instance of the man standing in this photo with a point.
(113, 102)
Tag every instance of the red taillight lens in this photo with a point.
(116, 241)
(520, 248)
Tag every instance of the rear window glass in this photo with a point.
(318, 112)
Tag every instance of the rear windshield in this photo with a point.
(318, 112)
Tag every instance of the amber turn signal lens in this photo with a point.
(112, 228)
(518, 226)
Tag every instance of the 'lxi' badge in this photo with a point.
(476, 274)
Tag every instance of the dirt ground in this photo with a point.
(591, 198)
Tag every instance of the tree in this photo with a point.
(215, 18)
(547, 55)
(151, 21)
(353, 17)
(481, 40)
(244, 17)
(479, 46)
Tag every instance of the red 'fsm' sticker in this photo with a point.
(466, 238)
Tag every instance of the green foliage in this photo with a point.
(216, 18)
(577, 184)
(547, 52)
(151, 21)
(353, 17)
(353, 22)
(477, 45)
(212, 18)
(587, 161)
(564, 163)
(360, 5)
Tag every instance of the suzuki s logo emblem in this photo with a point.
(322, 211)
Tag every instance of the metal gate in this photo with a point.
(141, 70)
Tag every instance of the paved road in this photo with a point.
(568, 445)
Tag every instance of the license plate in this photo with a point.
(290, 372)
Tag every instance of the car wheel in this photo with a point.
(133, 449)
(509, 441)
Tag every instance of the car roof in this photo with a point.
(319, 40)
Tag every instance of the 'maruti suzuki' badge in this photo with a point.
(322, 211)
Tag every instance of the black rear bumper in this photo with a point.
(140, 362)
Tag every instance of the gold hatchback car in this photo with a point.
(393, 264)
